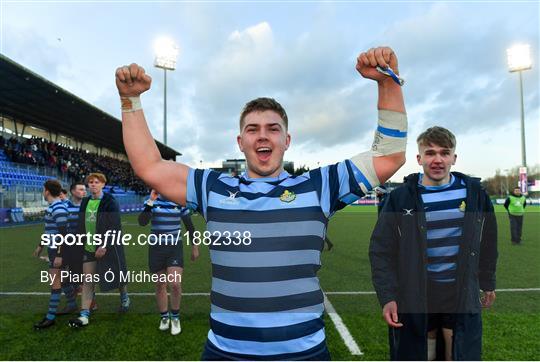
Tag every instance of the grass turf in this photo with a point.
(511, 327)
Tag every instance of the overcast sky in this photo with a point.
(452, 55)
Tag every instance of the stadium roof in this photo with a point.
(29, 98)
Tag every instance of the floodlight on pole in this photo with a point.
(166, 52)
(519, 59)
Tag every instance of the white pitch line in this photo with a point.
(350, 293)
(113, 294)
(207, 294)
(518, 290)
(496, 290)
(342, 329)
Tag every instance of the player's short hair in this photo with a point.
(53, 186)
(75, 184)
(436, 135)
(97, 175)
(64, 191)
(264, 104)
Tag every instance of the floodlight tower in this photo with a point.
(519, 59)
(166, 52)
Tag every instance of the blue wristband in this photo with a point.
(389, 72)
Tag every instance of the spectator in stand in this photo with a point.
(76, 164)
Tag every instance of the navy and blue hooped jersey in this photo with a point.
(266, 300)
(73, 216)
(445, 210)
(55, 217)
(166, 218)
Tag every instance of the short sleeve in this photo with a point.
(198, 187)
(60, 214)
(338, 185)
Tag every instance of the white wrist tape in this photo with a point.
(391, 133)
(364, 162)
(131, 104)
(390, 137)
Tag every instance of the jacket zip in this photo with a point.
(482, 228)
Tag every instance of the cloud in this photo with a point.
(42, 55)
(318, 86)
(457, 68)
(451, 54)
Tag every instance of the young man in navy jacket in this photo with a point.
(433, 249)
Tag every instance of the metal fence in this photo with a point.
(22, 195)
(27, 196)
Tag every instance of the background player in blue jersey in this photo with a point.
(64, 195)
(72, 255)
(55, 224)
(433, 249)
(78, 193)
(267, 226)
(166, 256)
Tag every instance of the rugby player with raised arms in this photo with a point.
(266, 301)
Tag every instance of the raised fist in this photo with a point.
(381, 56)
(132, 81)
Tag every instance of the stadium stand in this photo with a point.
(11, 175)
(70, 163)
(47, 132)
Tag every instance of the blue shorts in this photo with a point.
(161, 257)
(88, 256)
(442, 302)
(317, 353)
(51, 253)
(442, 297)
(441, 320)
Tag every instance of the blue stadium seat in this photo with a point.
(17, 215)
